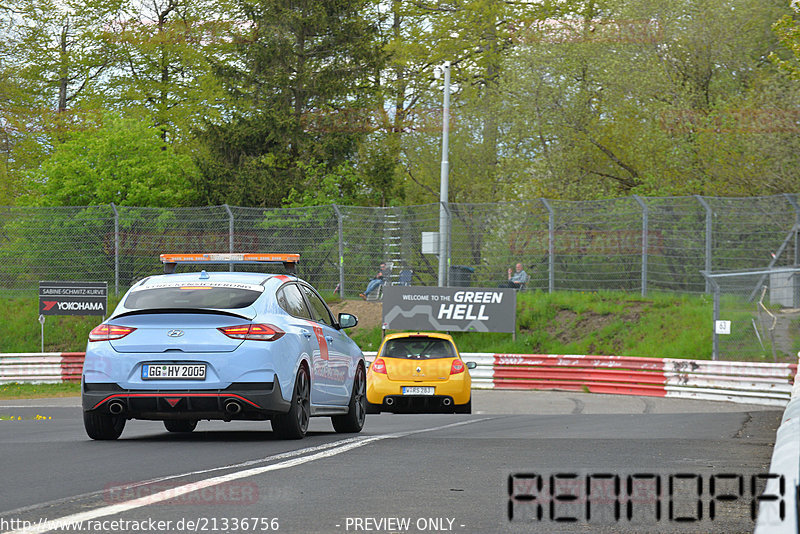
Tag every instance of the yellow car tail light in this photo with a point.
(457, 367)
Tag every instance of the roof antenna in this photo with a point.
(204, 275)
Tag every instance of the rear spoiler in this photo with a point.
(171, 261)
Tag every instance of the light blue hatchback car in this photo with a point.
(181, 347)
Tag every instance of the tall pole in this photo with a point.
(443, 186)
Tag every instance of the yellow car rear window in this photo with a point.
(418, 348)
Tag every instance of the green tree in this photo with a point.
(609, 98)
(123, 161)
(163, 49)
(306, 60)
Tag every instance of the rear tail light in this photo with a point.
(256, 332)
(378, 366)
(109, 332)
(457, 367)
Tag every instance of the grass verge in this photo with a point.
(30, 391)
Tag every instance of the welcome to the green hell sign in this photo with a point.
(449, 309)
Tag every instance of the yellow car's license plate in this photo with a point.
(418, 390)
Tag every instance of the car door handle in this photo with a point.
(306, 332)
(329, 338)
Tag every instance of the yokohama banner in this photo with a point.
(449, 309)
(73, 298)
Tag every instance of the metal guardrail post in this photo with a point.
(230, 233)
(709, 229)
(340, 224)
(116, 250)
(644, 243)
(551, 234)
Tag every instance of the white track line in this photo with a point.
(275, 457)
(172, 493)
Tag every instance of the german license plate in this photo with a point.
(418, 390)
(173, 371)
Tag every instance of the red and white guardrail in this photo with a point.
(41, 367)
(744, 382)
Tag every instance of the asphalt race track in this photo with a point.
(403, 473)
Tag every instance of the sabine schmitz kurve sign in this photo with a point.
(73, 298)
(449, 309)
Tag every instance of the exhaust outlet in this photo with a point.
(447, 402)
(389, 401)
(233, 407)
(116, 408)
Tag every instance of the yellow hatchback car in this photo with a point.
(419, 372)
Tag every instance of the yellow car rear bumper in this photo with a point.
(458, 387)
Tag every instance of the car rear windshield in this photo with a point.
(224, 298)
(418, 348)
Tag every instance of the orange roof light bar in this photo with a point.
(171, 261)
(229, 258)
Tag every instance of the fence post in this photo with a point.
(792, 198)
(644, 243)
(715, 346)
(551, 234)
(341, 249)
(116, 249)
(230, 233)
(709, 228)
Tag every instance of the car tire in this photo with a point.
(102, 426)
(463, 408)
(353, 421)
(180, 425)
(294, 424)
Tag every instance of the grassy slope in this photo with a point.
(611, 323)
(20, 330)
(602, 323)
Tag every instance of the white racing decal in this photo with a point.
(200, 284)
(172, 493)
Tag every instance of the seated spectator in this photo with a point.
(377, 281)
(516, 279)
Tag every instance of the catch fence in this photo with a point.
(636, 244)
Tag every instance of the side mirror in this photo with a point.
(471, 365)
(347, 320)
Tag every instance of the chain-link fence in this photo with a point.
(757, 314)
(633, 244)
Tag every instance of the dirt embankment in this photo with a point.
(370, 314)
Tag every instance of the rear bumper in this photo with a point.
(457, 389)
(415, 404)
(239, 401)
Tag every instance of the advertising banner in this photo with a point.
(73, 298)
(449, 309)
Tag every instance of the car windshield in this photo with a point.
(418, 348)
(191, 297)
